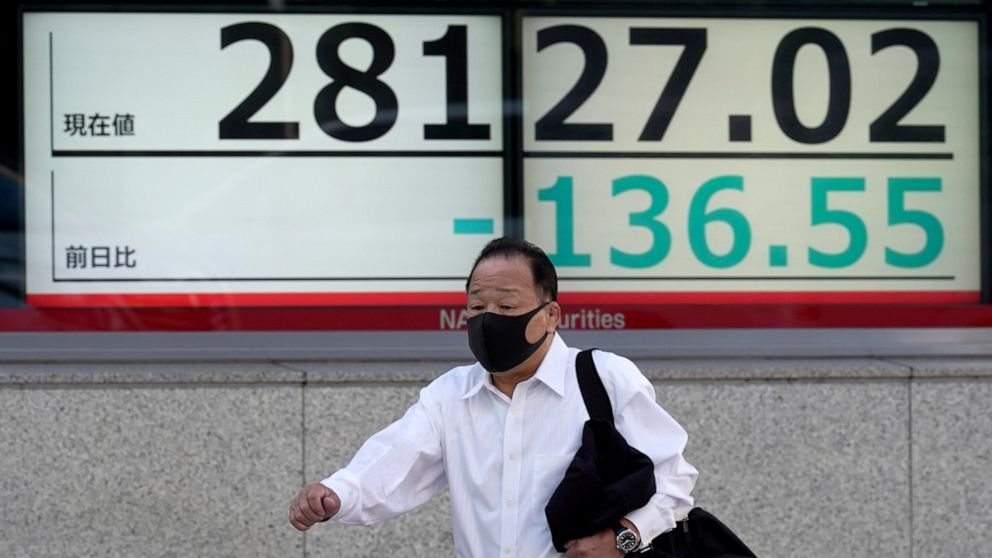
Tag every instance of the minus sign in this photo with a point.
(474, 226)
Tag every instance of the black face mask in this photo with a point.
(500, 342)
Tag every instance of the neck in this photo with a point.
(507, 381)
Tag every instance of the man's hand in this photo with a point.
(314, 503)
(601, 545)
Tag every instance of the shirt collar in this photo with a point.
(551, 371)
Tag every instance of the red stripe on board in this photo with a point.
(212, 300)
(785, 297)
(427, 318)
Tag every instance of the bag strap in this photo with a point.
(593, 393)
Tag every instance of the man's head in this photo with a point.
(543, 273)
(513, 313)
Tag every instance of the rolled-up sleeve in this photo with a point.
(396, 470)
(649, 428)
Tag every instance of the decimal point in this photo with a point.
(740, 127)
(778, 255)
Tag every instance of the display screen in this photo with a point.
(342, 163)
(783, 160)
(296, 159)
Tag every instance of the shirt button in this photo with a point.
(513, 457)
(514, 411)
(509, 502)
(507, 549)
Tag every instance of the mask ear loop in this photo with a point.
(537, 344)
(537, 311)
(534, 313)
(548, 303)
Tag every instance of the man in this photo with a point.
(501, 432)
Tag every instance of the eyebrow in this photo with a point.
(501, 289)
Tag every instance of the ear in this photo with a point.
(554, 316)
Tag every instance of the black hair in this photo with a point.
(545, 276)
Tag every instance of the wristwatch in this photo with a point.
(627, 540)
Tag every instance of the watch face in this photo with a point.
(626, 540)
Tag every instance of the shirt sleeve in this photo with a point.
(396, 470)
(649, 428)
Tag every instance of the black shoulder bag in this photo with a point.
(699, 535)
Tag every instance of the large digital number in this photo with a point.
(236, 125)
(661, 237)
(887, 127)
(694, 41)
(561, 194)
(699, 219)
(783, 93)
(820, 214)
(329, 59)
(552, 125)
(453, 46)
(898, 214)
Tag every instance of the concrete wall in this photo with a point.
(820, 458)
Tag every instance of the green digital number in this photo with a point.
(560, 193)
(822, 215)
(661, 237)
(699, 219)
(899, 215)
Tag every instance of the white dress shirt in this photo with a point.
(502, 458)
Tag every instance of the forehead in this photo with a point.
(502, 274)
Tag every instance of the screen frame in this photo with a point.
(98, 333)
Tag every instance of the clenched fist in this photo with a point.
(314, 503)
